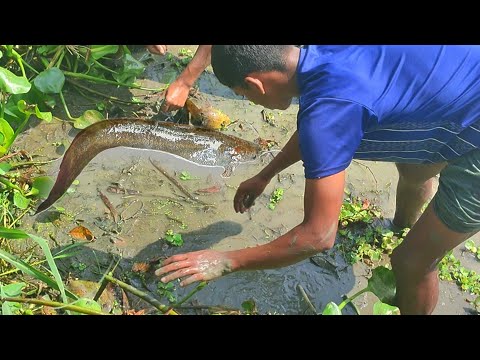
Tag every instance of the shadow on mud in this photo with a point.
(326, 277)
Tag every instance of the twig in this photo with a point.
(21, 152)
(94, 100)
(253, 127)
(32, 163)
(9, 184)
(193, 292)
(105, 81)
(170, 217)
(177, 184)
(142, 295)
(110, 206)
(18, 218)
(136, 212)
(104, 282)
(125, 302)
(208, 307)
(101, 289)
(307, 300)
(111, 98)
(344, 297)
(368, 168)
(54, 304)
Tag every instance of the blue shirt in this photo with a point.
(412, 104)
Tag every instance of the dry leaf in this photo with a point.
(134, 312)
(365, 204)
(47, 310)
(211, 190)
(82, 233)
(140, 267)
(266, 143)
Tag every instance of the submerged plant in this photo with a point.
(382, 284)
(275, 198)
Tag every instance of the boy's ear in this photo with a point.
(255, 84)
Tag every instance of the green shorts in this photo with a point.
(457, 201)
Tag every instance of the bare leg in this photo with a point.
(415, 261)
(414, 189)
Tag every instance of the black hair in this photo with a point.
(232, 63)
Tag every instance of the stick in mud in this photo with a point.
(109, 205)
(177, 184)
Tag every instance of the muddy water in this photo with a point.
(148, 214)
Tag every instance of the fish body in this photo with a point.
(196, 144)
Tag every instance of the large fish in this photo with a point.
(199, 145)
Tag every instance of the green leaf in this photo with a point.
(51, 263)
(380, 308)
(99, 51)
(50, 81)
(476, 302)
(86, 304)
(131, 69)
(20, 201)
(11, 110)
(166, 291)
(382, 284)
(43, 185)
(33, 109)
(249, 306)
(332, 309)
(44, 102)
(43, 115)
(88, 118)
(45, 49)
(126, 50)
(185, 175)
(174, 239)
(4, 168)
(12, 233)
(470, 246)
(30, 270)
(11, 290)
(13, 84)
(275, 197)
(7, 133)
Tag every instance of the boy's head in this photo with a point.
(259, 72)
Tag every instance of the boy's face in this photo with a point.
(271, 98)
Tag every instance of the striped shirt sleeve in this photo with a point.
(330, 130)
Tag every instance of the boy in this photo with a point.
(418, 106)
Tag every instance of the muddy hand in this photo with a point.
(175, 96)
(247, 192)
(157, 49)
(195, 266)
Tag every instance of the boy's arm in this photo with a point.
(323, 199)
(177, 92)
